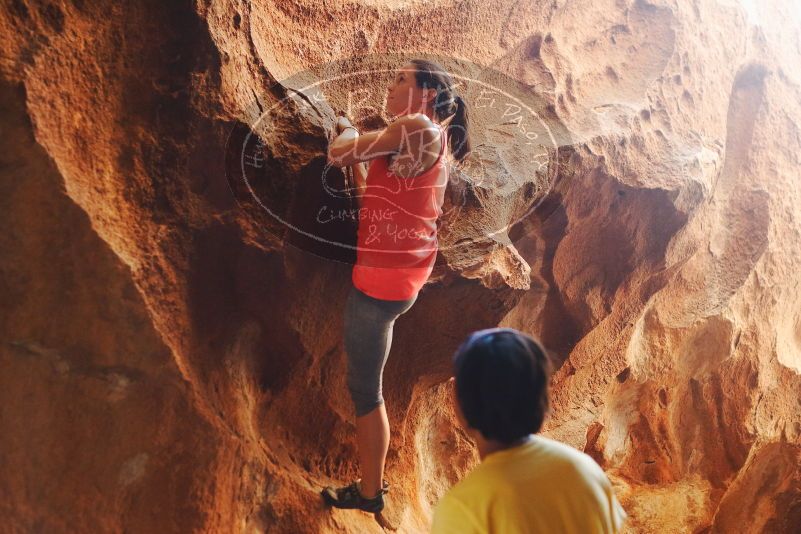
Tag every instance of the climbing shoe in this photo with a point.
(349, 497)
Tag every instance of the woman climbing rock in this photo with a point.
(400, 199)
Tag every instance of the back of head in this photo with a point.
(431, 75)
(502, 383)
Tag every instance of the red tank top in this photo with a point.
(397, 236)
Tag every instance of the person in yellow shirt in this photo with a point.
(525, 483)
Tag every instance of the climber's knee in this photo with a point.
(363, 408)
(364, 382)
(365, 400)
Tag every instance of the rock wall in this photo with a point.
(173, 358)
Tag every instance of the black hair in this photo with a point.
(502, 383)
(430, 75)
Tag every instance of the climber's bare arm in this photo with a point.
(350, 147)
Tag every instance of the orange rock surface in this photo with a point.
(172, 355)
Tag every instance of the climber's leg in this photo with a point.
(368, 336)
(372, 437)
(368, 333)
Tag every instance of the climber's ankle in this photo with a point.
(367, 493)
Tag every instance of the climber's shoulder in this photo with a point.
(413, 123)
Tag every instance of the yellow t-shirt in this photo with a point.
(541, 486)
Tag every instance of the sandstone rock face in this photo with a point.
(172, 354)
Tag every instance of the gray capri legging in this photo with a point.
(368, 338)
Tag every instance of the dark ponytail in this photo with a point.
(457, 130)
(446, 104)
